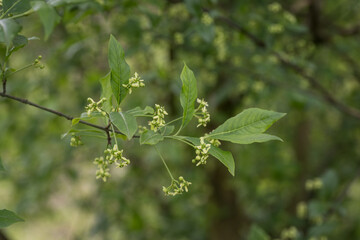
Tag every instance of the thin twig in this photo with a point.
(25, 101)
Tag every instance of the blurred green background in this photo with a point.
(53, 186)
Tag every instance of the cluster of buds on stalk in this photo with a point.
(204, 117)
(158, 118)
(202, 152)
(75, 140)
(215, 142)
(134, 82)
(177, 187)
(38, 64)
(112, 155)
(95, 106)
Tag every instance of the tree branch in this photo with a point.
(25, 101)
(326, 95)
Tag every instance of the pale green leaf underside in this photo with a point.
(224, 157)
(247, 126)
(137, 112)
(188, 95)
(120, 70)
(7, 218)
(106, 92)
(248, 139)
(8, 30)
(48, 16)
(126, 123)
(150, 138)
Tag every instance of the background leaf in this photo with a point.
(188, 95)
(7, 218)
(16, 6)
(2, 168)
(120, 70)
(247, 126)
(48, 16)
(8, 30)
(126, 123)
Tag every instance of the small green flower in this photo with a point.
(158, 118)
(204, 117)
(75, 140)
(134, 82)
(177, 187)
(95, 106)
(215, 142)
(202, 152)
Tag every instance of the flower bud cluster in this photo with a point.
(38, 64)
(202, 152)
(95, 106)
(158, 118)
(301, 210)
(313, 184)
(215, 142)
(134, 82)
(204, 117)
(75, 140)
(177, 187)
(289, 233)
(112, 155)
(142, 129)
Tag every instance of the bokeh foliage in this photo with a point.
(52, 186)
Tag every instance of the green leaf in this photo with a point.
(137, 112)
(75, 121)
(224, 157)
(150, 137)
(120, 70)
(7, 218)
(250, 138)
(126, 123)
(48, 16)
(167, 130)
(106, 92)
(188, 95)
(19, 41)
(15, 6)
(247, 127)
(2, 168)
(8, 30)
(256, 233)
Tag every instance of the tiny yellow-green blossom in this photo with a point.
(274, 7)
(158, 118)
(37, 63)
(202, 152)
(313, 184)
(95, 106)
(114, 155)
(179, 38)
(204, 117)
(215, 142)
(75, 140)
(142, 129)
(206, 19)
(177, 187)
(301, 210)
(275, 28)
(134, 82)
(289, 17)
(103, 171)
(289, 233)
